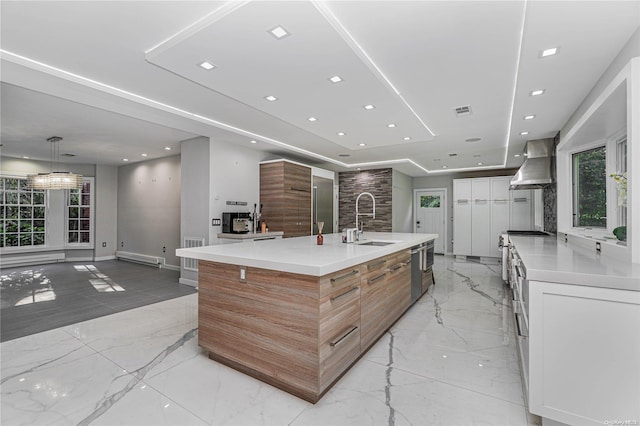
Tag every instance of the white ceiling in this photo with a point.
(117, 79)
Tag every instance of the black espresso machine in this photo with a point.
(236, 222)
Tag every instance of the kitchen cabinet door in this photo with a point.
(462, 217)
(499, 212)
(521, 210)
(480, 217)
(285, 193)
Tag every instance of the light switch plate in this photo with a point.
(243, 274)
(216, 222)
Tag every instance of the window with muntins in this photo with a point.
(79, 214)
(22, 214)
(590, 188)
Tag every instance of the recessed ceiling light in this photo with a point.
(358, 168)
(279, 32)
(125, 159)
(536, 92)
(406, 138)
(253, 141)
(525, 154)
(369, 106)
(144, 155)
(444, 167)
(362, 144)
(390, 125)
(25, 157)
(271, 98)
(341, 133)
(524, 133)
(479, 164)
(167, 148)
(206, 65)
(548, 52)
(312, 119)
(529, 117)
(516, 155)
(336, 79)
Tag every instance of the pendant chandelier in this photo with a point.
(55, 179)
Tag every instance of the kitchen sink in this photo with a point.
(376, 243)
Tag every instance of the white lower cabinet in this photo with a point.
(584, 358)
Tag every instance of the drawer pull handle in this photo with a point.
(378, 278)
(376, 264)
(395, 268)
(336, 342)
(518, 315)
(298, 189)
(340, 296)
(520, 200)
(407, 263)
(463, 201)
(350, 274)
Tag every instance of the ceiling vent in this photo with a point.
(67, 155)
(461, 111)
(453, 155)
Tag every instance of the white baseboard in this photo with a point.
(171, 267)
(79, 259)
(192, 283)
(101, 258)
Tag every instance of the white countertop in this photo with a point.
(302, 255)
(553, 260)
(251, 236)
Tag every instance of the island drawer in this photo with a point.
(334, 284)
(337, 354)
(339, 312)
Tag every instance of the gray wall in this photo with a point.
(379, 183)
(402, 201)
(106, 215)
(194, 202)
(56, 199)
(149, 208)
(446, 181)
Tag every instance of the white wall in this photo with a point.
(149, 208)
(402, 202)
(194, 202)
(234, 176)
(106, 212)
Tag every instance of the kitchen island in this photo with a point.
(577, 317)
(297, 315)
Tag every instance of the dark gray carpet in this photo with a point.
(43, 297)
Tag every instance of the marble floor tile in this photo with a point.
(450, 360)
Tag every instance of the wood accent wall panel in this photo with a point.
(285, 193)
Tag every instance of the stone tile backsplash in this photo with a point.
(351, 184)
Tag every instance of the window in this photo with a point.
(590, 188)
(22, 214)
(79, 214)
(430, 201)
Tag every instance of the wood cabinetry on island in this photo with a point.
(289, 324)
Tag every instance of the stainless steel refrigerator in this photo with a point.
(322, 204)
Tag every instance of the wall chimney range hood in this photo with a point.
(538, 170)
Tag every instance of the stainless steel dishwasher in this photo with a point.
(421, 264)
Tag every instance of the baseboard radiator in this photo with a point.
(190, 242)
(140, 258)
(32, 259)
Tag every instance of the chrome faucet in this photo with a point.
(358, 214)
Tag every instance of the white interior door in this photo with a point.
(430, 215)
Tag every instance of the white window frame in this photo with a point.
(614, 215)
(92, 194)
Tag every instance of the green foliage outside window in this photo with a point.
(22, 214)
(429, 201)
(590, 188)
